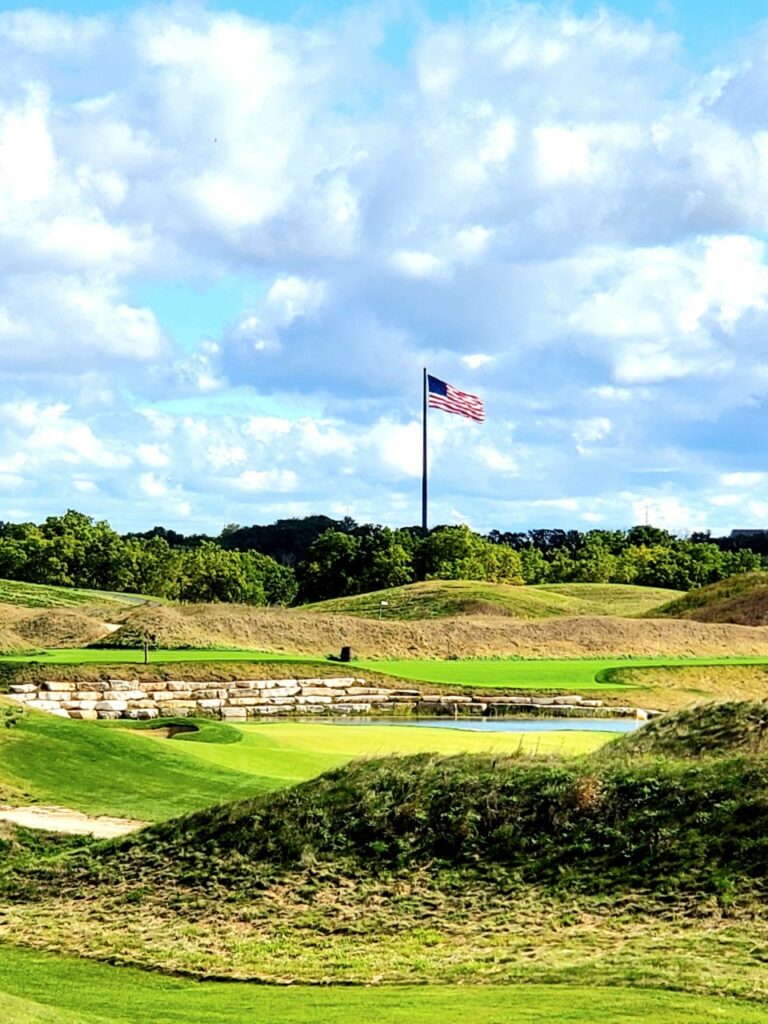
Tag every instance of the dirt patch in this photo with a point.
(64, 819)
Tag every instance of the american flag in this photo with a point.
(443, 396)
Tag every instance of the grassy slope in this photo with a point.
(38, 595)
(716, 597)
(457, 597)
(38, 988)
(107, 769)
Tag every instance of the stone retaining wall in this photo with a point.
(239, 699)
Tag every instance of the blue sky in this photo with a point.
(232, 235)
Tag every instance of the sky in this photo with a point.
(231, 236)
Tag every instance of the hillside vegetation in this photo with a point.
(741, 599)
(641, 864)
(441, 598)
(316, 634)
(38, 595)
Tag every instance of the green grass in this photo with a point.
(290, 752)
(38, 988)
(592, 674)
(741, 585)
(38, 595)
(437, 598)
(103, 770)
(114, 768)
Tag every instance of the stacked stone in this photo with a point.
(239, 699)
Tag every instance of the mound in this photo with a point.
(60, 627)
(164, 626)
(296, 631)
(582, 826)
(11, 642)
(741, 599)
(440, 598)
(725, 727)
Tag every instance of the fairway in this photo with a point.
(513, 673)
(39, 988)
(536, 674)
(111, 768)
(290, 752)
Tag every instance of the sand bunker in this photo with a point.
(64, 819)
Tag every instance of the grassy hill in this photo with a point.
(741, 599)
(646, 867)
(440, 598)
(38, 595)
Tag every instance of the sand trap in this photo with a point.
(63, 819)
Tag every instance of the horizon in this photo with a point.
(234, 234)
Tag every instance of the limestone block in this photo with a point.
(173, 711)
(111, 705)
(86, 695)
(591, 703)
(283, 702)
(345, 698)
(109, 716)
(55, 687)
(333, 683)
(186, 705)
(242, 702)
(84, 714)
(263, 709)
(21, 698)
(249, 684)
(406, 693)
(324, 682)
(79, 705)
(570, 699)
(45, 705)
(60, 712)
(177, 684)
(123, 684)
(150, 685)
(210, 702)
(233, 713)
(22, 688)
(314, 699)
(491, 701)
(160, 695)
(282, 691)
(136, 705)
(366, 691)
(142, 713)
(178, 695)
(123, 695)
(352, 709)
(210, 694)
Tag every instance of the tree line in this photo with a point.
(294, 561)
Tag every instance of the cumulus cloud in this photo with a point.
(549, 210)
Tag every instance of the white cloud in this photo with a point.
(556, 203)
(279, 480)
(152, 455)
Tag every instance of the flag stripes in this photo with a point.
(449, 399)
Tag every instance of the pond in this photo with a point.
(501, 724)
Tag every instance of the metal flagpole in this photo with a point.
(424, 455)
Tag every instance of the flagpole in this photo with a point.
(424, 454)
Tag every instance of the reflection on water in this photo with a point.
(497, 724)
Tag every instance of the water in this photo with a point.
(499, 724)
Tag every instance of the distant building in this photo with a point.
(749, 533)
